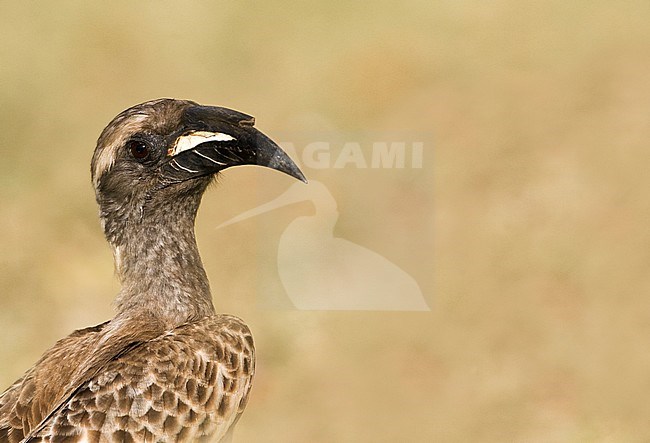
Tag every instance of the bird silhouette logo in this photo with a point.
(322, 272)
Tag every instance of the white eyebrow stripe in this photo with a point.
(193, 139)
(209, 158)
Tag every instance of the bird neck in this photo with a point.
(159, 266)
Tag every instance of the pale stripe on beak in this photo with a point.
(193, 139)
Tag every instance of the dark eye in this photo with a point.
(139, 149)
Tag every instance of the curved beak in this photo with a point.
(214, 138)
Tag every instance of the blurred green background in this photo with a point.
(534, 257)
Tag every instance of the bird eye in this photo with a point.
(139, 149)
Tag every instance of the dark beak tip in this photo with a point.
(300, 176)
(287, 166)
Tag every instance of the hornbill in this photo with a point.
(167, 367)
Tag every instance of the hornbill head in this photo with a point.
(157, 158)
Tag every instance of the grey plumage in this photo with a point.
(166, 367)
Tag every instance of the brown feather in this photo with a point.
(174, 383)
(167, 367)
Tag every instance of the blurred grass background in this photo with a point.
(534, 256)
